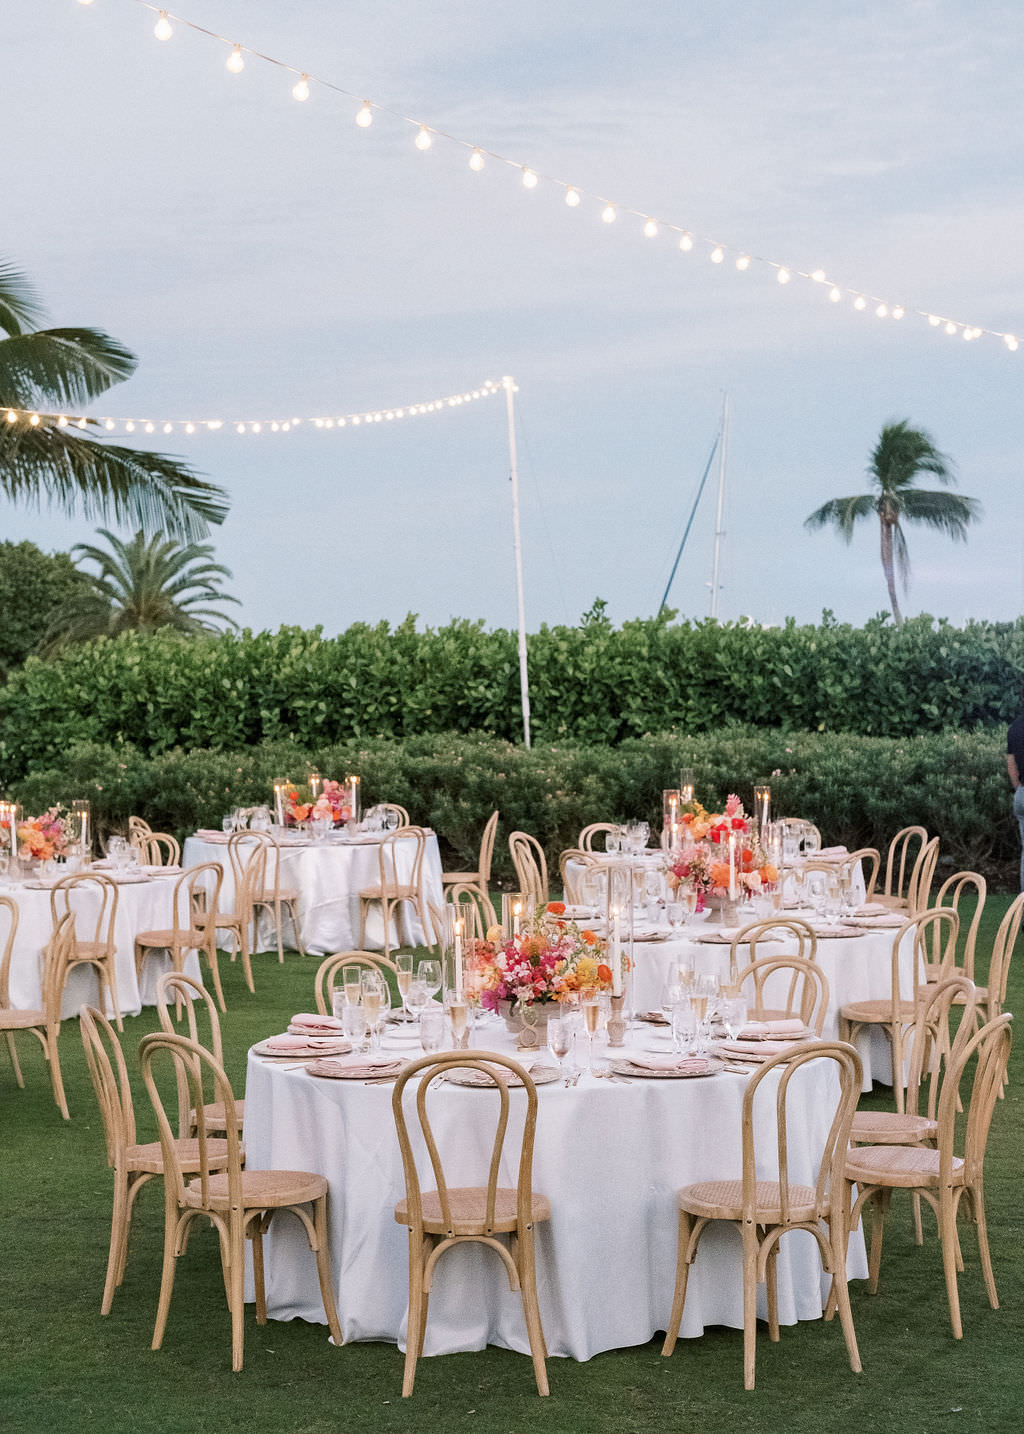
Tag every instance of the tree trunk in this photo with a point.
(887, 568)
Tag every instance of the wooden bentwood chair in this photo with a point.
(394, 887)
(765, 1210)
(531, 867)
(238, 1203)
(806, 994)
(189, 998)
(94, 943)
(44, 1024)
(133, 1165)
(194, 929)
(480, 878)
(939, 1175)
(331, 967)
(767, 933)
(446, 1216)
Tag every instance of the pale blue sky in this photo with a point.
(264, 256)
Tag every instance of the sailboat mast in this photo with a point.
(720, 512)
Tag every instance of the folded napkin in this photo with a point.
(375, 1062)
(891, 919)
(872, 908)
(689, 1065)
(755, 1050)
(308, 1024)
(828, 851)
(161, 870)
(286, 1045)
(781, 1030)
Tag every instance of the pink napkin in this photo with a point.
(371, 1062)
(832, 851)
(755, 1050)
(309, 1024)
(891, 919)
(691, 1064)
(779, 1030)
(872, 908)
(286, 1045)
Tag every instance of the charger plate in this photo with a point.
(469, 1075)
(627, 1068)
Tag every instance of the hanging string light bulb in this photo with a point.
(364, 117)
(608, 213)
(235, 61)
(476, 161)
(424, 139)
(529, 178)
(300, 90)
(163, 29)
(572, 197)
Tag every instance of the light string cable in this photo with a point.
(241, 426)
(651, 227)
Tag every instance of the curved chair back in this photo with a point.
(189, 999)
(865, 855)
(196, 897)
(950, 893)
(109, 1073)
(937, 929)
(139, 831)
(991, 1045)
(806, 994)
(473, 906)
(403, 841)
(400, 812)
(586, 837)
(1002, 951)
(571, 882)
(531, 867)
(10, 906)
(788, 927)
(487, 849)
(829, 1181)
(159, 849)
(901, 858)
(930, 1049)
(98, 895)
(190, 1063)
(920, 888)
(489, 1062)
(327, 974)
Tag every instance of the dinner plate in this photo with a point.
(471, 1076)
(318, 1046)
(627, 1068)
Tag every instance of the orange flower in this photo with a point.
(604, 973)
(588, 938)
(556, 908)
(301, 811)
(769, 872)
(720, 874)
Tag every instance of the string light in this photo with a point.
(882, 311)
(717, 254)
(573, 193)
(860, 302)
(250, 426)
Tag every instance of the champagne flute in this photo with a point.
(682, 1026)
(403, 962)
(699, 1005)
(458, 1014)
(373, 1002)
(560, 1040)
(591, 1017)
(352, 977)
(733, 1014)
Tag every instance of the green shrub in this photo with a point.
(859, 790)
(592, 684)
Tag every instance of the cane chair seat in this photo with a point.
(880, 1012)
(723, 1200)
(888, 1127)
(907, 1166)
(213, 1115)
(149, 1159)
(460, 878)
(469, 1211)
(88, 952)
(11, 1020)
(282, 893)
(261, 1189)
(391, 890)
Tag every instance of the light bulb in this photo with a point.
(834, 294)
(1010, 340)
(330, 423)
(150, 428)
(572, 197)
(650, 230)
(424, 139)
(85, 2)
(275, 427)
(34, 420)
(968, 334)
(743, 262)
(686, 243)
(342, 422)
(717, 254)
(783, 276)
(476, 160)
(110, 425)
(934, 320)
(300, 90)
(214, 423)
(168, 428)
(818, 276)
(62, 421)
(608, 213)
(286, 427)
(860, 302)
(235, 62)
(163, 29)
(83, 423)
(881, 311)
(951, 327)
(898, 311)
(239, 427)
(12, 417)
(529, 178)
(190, 428)
(364, 117)
(129, 427)
(256, 427)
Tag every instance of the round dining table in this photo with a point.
(610, 1156)
(328, 876)
(145, 902)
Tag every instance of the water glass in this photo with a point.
(684, 1027)
(227, 824)
(732, 1012)
(417, 999)
(432, 1030)
(429, 972)
(355, 1025)
(674, 914)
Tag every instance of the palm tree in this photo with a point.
(142, 584)
(44, 373)
(901, 454)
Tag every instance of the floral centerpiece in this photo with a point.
(44, 837)
(332, 804)
(527, 977)
(704, 863)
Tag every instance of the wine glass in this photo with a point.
(699, 1006)
(591, 1019)
(227, 824)
(429, 972)
(417, 999)
(674, 914)
(816, 891)
(403, 962)
(812, 842)
(352, 981)
(732, 1012)
(458, 1014)
(560, 1040)
(833, 902)
(432, 1029)
(355, 1025)
(672, 993)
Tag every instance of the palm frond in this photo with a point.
(61, 368)
(951, 513)
(901, 453)
(20, 306)
(135, 488)
(842, 513)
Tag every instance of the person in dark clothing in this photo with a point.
(1015, 767)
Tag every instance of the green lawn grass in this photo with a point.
(62, 1366)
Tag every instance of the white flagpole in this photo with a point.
(509, 386)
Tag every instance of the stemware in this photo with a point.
(683, 1027)
(403, 961)
(355, 1024)
(429, 972)
(417, 999)
(560, 1040)
(675, 914)
(699, 1006)
(732, 1012)
(227, 824)
(373, 993)
(672, 993)
(591, 1008)
(352, 981)
(458, 1014)
(432, 1030)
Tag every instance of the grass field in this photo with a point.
(63, 1367)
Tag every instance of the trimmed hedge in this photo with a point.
(859, 790)
(591, 684)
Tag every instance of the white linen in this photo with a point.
(328, 877)
(141, 906)
(610, 1158)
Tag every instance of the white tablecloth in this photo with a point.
(141, 906)
(610, 1158)
(857, 968)
(328, 877)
